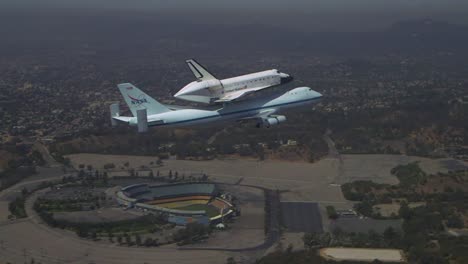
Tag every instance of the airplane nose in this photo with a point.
(285, 78)
(317, 94)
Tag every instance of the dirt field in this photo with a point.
(362, 254)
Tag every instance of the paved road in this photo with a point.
(335, 155)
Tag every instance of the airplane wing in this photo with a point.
(199, 71)
(265, 118)
(261, 115)
(238, 94)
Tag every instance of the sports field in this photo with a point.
(176, 205)
(211, 211)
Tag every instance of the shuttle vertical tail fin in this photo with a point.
(136, 99)
(199, 71)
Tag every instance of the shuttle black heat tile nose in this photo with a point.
(286, 79)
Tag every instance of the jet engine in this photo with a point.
(272, 121)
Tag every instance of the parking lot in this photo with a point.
(301, 216)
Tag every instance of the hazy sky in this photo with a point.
(306, 15)
(303, 5)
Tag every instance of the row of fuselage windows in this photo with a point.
(242, 85)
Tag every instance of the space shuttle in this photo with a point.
(210, 90)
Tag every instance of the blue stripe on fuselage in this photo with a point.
(233, 113)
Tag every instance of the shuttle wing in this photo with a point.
(199, 71)
(238, 94)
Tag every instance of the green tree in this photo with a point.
(331, 212)
(138, 239)
(128, 240)
(405, 211)
(82, 231)
(148, 242)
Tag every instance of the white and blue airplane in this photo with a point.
(147, 112)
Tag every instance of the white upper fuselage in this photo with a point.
(207, 91)
(245, 109)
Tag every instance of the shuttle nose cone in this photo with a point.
(187, 90)
(179, 94)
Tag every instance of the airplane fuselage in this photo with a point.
(234, 111)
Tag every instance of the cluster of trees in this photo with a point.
(137, 240)
(147, 223)
(174, 176)
(338, 238)
(424, 238)
(16, 207)
(93, 179)
(68, 205)
(363, 191)
(409, 175)
(331, 212)
(423, 226)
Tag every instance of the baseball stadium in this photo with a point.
(183, 203)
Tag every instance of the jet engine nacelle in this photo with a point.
(272, 121)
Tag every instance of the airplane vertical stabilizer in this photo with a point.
(136, 99)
